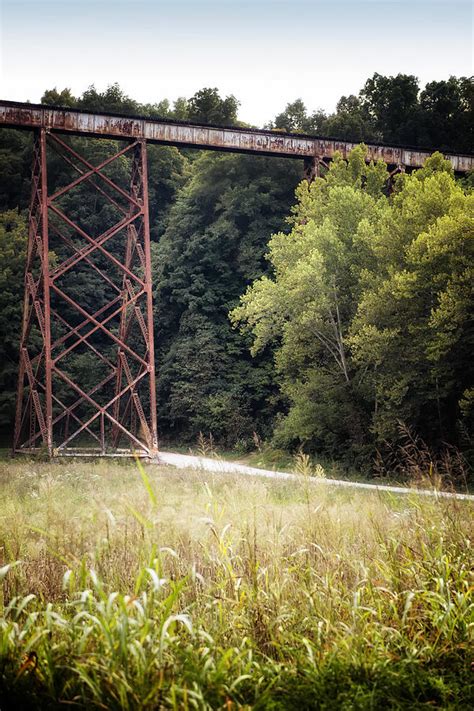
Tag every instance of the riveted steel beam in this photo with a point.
(238, 140)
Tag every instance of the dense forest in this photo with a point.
(338, 320)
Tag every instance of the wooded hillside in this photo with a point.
(355, 323)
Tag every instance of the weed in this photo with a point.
(149, 588)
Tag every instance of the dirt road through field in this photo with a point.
(220, 466)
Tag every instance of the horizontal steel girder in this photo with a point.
(237, 140)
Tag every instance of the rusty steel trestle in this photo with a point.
(70, 121)
(86, 373)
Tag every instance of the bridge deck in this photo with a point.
(176, 133)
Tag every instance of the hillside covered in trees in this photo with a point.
(334, 320)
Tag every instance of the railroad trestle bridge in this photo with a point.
(115, 413)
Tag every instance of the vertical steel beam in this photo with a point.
(312, 167)
(396, 170)
(149, 295)
(46, 296)
(33, 406)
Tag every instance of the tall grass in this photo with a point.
(156, 589)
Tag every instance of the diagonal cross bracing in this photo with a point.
(111, 329)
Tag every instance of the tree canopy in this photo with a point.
(213, 244)
(368, 308)
(394, 110)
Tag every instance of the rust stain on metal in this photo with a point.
(61, 120)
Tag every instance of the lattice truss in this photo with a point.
(86, 374)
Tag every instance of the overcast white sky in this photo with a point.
(265, 52)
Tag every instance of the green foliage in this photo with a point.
(15, 169)
(388, 108)
(168, 170)
(391, 103)
(351, 120)
(53, 97)
(447, 115)
(306, 309)
(214, 243)
(206, 106)
(368, 306)
(113, 99)
(413, 327)
(163, 591)
(393, 110)
(13, 239)
(369, 309)
(295, 118)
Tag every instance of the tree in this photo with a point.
(168, 170)
(305, 310)
(362, 270)
(369, 310)
(15, 169)
(113, 99)
(13, 238)
(295, 118)
(447, 115)
(180, 109)
(213, 245)
(391, 110)
(162, 109)
(392, 104)
(413, 328)
(53, 97)
(206, 106)
(351, 122)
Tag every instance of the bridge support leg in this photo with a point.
(391, 176)
(312, 167)
(129, 404)
(33, 419)
(87, 370)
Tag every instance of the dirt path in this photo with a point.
(186, 461)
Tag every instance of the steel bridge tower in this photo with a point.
(87, 373)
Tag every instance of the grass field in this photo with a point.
(157, 589)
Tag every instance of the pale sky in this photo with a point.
(265, 52)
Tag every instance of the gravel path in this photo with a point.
(186, 461)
